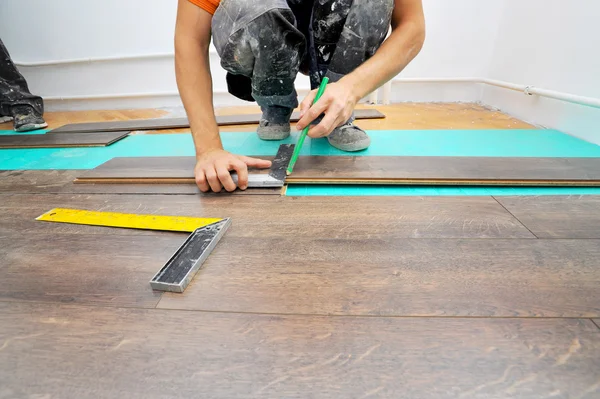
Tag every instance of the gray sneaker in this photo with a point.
(349, 138)
(5, 118)
(273, 131)
(25, 118)
(275, 123)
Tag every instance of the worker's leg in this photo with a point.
(261, 48)
(16, 101)
(345, 34)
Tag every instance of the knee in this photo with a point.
(381, 7)
(371, 19)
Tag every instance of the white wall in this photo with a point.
(458, 44)
(551, 44)
(554, 45)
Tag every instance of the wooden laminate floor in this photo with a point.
(304, 297)
(398, 116)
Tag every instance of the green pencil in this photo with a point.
(305, 131)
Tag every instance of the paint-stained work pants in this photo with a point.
(13, 87)
(263, 44)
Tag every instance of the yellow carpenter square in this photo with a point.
(126, 220)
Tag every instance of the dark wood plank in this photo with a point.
(557, 216)
(419, 277)
(149, 170)
(177, 123)
(377, 170)
(111, 270)
(36, 181)
(61, 181)
(100, 139)
(446, 170)
(275, 216)
(64, 351)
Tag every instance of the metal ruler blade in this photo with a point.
(127, 220)
(177, 273)
(276, 176)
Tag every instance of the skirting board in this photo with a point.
(464, 171)
(182, 123)
(60, 140)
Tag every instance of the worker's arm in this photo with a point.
(213, 163)
(339, 100)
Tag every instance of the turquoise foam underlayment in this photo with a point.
(499, 143)
(9, 132)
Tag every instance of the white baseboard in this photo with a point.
(577, 120)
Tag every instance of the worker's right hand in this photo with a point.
(213, 167)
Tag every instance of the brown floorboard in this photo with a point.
(557, 216)
(66, 351)
(397, 116)
(275, 216)
(112, 270)
(178, 123)
(376, 170)
(101, 139)
(419, 277)
(61, 181)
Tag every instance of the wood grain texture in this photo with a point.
(108, 270)
(389, 277)
(375, 170)
(149, 170)
(100, 139)
(177, 123)
(445, 170)
(274, 216)
(67, 351)
(557, 216)
(398, 116)
(61, 181)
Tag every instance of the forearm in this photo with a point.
(401, 47)
(195, 87)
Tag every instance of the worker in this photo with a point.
(264, 44)
(16, 101)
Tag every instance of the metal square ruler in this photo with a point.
(181, 268)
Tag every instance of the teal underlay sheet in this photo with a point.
(493, 143)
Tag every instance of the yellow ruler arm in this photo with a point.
(126, 220)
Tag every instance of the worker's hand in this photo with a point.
(213, 167)
(337, 102)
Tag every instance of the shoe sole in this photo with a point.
(30, 127)
(354, 147)
(273, 134)
(4, 119)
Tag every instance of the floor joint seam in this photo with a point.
(156, 308)
(516, 218)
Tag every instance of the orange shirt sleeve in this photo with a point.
(207, 5)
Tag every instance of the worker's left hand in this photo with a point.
(337, 102)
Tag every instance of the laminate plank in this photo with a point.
(177, 123)
(61, 181)
(390, 277)
(557, 216)
(376, 170)
(100, 139)
(446, 170)
(67, 351)
(275, 216)
(397, 116)
(149, 170)
(109, 270)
